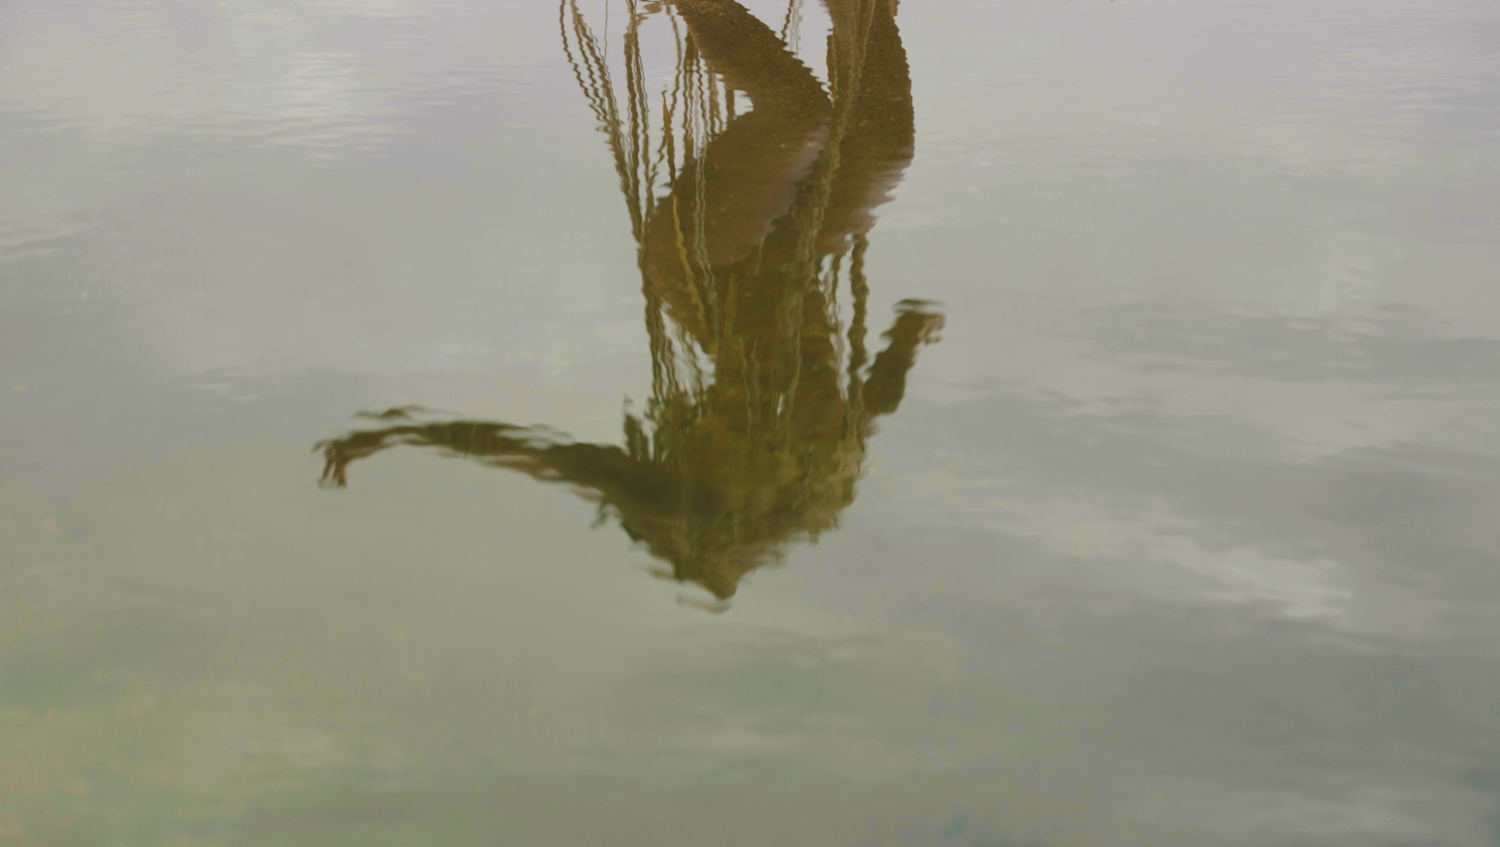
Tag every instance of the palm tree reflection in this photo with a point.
(763, 394)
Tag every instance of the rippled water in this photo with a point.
(1012, 424)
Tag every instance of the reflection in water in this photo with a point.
(763, 393)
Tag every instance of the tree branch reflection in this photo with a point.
(763, 392)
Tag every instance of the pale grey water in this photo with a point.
(1183, 534)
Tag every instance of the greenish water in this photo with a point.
(974, 424)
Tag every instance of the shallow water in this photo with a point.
(1115, 463)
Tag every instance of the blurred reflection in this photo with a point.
(763, 391)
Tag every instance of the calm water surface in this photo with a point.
(988, 424)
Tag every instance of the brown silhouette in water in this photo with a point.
(755, 431)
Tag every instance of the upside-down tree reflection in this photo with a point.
(763, 393)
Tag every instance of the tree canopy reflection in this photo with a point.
(763, 392)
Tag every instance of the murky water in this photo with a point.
(978, 424)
